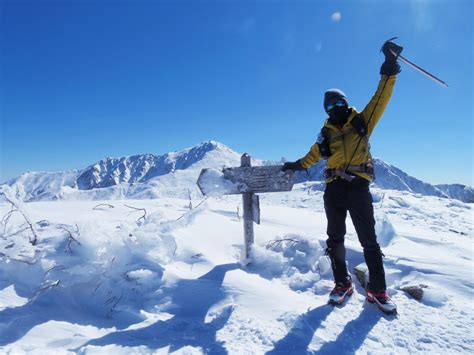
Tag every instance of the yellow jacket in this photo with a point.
(343, 141)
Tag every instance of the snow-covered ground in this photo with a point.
(105, 280)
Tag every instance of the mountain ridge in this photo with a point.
(175, 174)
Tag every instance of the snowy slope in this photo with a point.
(142, 168)
(392, 178)
(138, 176)
(458, 191)
(105, 280)
(174, 175)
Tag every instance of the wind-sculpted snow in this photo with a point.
(107, 277)
(291, 258)
(384, 229)
(87, 273)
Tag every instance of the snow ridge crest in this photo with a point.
(151, 176)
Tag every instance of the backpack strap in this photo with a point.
(359, 125)
(323, 143)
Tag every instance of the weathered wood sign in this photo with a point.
(256, 179)
(248, 180)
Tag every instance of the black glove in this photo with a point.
(390, 66)
(389, 47)
(292, 166)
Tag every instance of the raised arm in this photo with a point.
(390, 68)
(377, 104)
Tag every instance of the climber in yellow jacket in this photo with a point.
(344, 143)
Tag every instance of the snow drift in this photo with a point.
(104, 277)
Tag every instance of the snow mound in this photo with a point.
(434, 298)
(123, 267)
(9, 298)
(292, 258)
(108, 272)
(383, 229)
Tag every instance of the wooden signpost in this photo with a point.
(249, 180)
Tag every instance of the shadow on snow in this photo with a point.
(354, 333)
(57, 304)
(348, 341)
(299, 337)
(187, 327)
(192, 300)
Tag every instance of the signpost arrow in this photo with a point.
(260, 178)
(248, 180)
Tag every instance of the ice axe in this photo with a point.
(416, 67)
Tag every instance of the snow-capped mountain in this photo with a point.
(458, 191)
(139, 176)
(392, 178)
(142, 168)
(174, 175)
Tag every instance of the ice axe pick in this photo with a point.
(418, 68)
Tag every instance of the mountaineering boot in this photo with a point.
(383, 301)
(341, 291)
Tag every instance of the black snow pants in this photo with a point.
(341, 196)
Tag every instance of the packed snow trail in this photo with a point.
(174, 282)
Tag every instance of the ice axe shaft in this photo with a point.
(421, 70)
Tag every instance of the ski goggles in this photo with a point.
(339, 103)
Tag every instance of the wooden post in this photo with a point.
(248, 210)
(248, 180)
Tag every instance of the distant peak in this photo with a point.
(211, 145)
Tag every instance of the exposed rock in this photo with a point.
(416, 291)
(362, 272)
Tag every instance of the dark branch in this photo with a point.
(6, 218)
(17, 209)
(138, 209)
(275, 243)
(102, 204)
(71, 238)
(199, 204)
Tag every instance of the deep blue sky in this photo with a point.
(84, 80)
